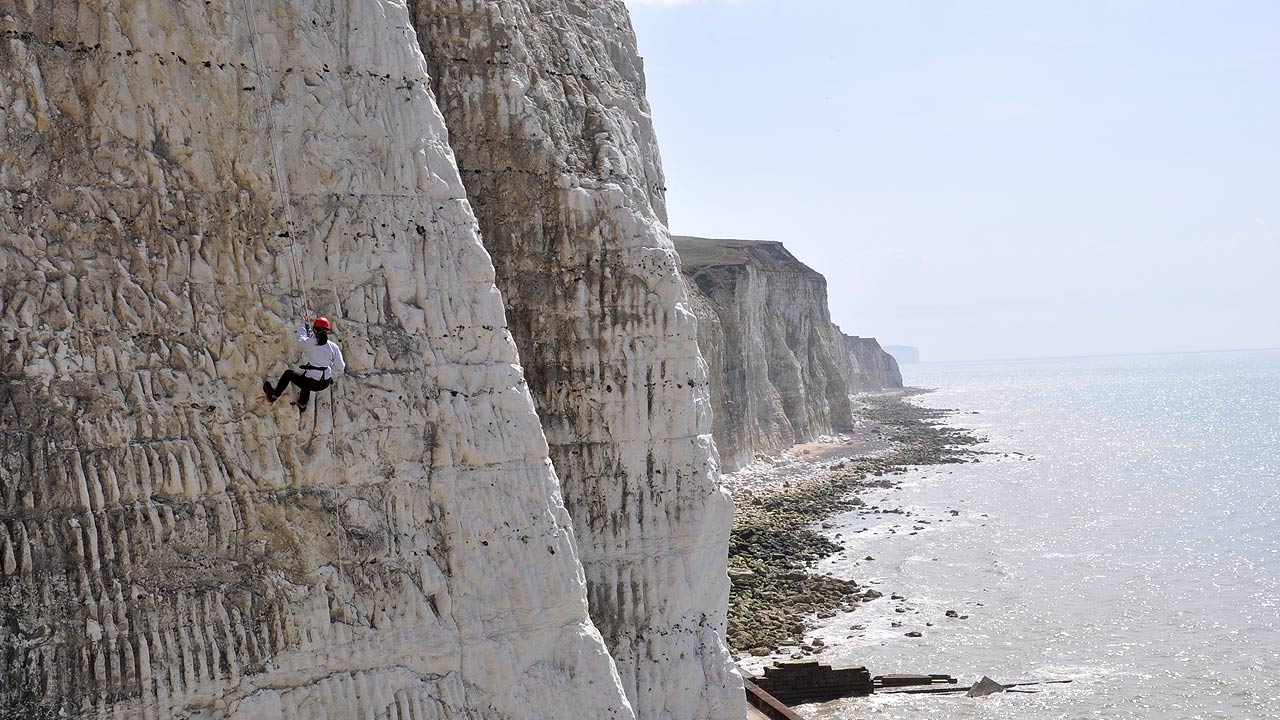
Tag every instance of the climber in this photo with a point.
(321, 362)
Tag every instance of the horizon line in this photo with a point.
(1144, 353)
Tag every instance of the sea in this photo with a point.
(1122, 533)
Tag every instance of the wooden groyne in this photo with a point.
(761, 704)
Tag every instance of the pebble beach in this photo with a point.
(785, 531)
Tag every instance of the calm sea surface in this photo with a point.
(1134, 548)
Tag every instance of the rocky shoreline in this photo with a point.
(776, 541)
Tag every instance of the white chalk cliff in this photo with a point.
(170, 545)
(780, 371)
(866, 366)
(765, 329)
(546, 110)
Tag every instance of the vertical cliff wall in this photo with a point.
(170, 546)
(865, 365)
(766, 329)
(546, 110)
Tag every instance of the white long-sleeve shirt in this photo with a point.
(326, 356)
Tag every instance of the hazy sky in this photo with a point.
(988, 179)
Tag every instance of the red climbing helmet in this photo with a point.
(321, 323)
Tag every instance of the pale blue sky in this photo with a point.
(989, 179)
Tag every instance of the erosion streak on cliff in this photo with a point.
(546, 111)
(170, 545)
(766, 331)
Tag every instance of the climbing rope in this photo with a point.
(281, 180)
(286, 200)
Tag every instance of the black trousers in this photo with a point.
(306, 385)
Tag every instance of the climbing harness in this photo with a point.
(325, 373)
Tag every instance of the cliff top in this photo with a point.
(697, 252)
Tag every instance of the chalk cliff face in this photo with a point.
(546, 111)
(766, 330)
(172, 546)
(865, 365)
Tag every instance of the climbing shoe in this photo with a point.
(266, 390)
